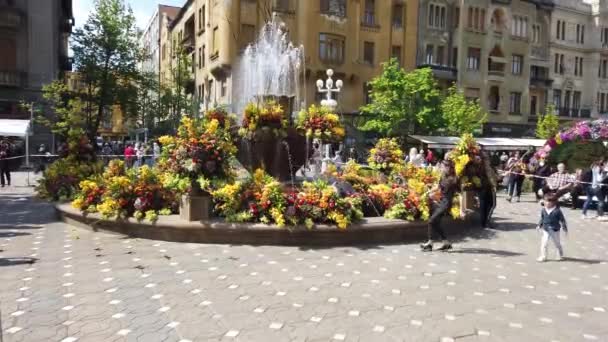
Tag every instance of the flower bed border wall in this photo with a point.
(375, 230)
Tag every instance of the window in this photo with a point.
(200, 57)
(429, 54)
(369, 16)
(578, 66)
(603, 69)
(223, 88)
(517, 64)
(535, 33)
(604, 36)
(580, 34)
(476, 19)
(212, 91)
(561, 30)
(368, 52)
(567, 99)
(494, 99)
(203, 51)
(533, 104)
(576, 100)
(247, 35)
(557, 98)
(558, 67)
(334, 7)
(473, 57)
(436, 18)
(398, 16)
(216, 41)
(519, 27)
(602, 105)
(331, 48)
(454, 57)
(440, 55)
(164, 52)
(203, 19)
(515, 103)
(456, 16)
(282, 5)
(396, 53)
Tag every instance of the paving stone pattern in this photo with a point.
(60, 283)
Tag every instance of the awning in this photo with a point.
(14, 128)
(490, 144)
(437, 142)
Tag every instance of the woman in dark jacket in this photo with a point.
(448, 185)
(540, 174)
(487, 193)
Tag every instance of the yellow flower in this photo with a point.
(558, 139)
(212, 126)
(78, 203)
(166, 140)
(339, 131)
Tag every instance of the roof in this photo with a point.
(170, 11)
(14, 128)
(492, 144)
(180, 14)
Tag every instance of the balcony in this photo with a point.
(10, 18)
(496, 75)
(12, 78)
(442, 71)
(539, 52)
(369, 20)
(574, 113)
(540, 81)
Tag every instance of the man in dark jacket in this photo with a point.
(5, 153)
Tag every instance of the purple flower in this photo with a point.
(551, 142)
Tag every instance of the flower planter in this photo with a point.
(195, 207)
(280, 157)
(468, 201)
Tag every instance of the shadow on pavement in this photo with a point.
(514, 226)
(12, 234)
(485, 251)
(583, 261)
(17, 261)
(4, 226)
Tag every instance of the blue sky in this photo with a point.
(143, 9)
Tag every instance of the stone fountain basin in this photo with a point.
(373, 230)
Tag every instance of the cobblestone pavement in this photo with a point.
(59, 283)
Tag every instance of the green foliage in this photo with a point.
(578, 154)
(70, 117)
(106, 53)
(402, 101)
(461, 115)
(548, 124)
(175, 100)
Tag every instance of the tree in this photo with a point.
(176, 94)
(106, 54)
(461, 115)
(548, 124)
(402, 101)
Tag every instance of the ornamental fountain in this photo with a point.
(271, 68)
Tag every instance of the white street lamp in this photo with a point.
(327, 87)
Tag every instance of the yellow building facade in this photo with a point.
(353, 37)
(113, 124)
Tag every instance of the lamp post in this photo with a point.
(327, 87)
